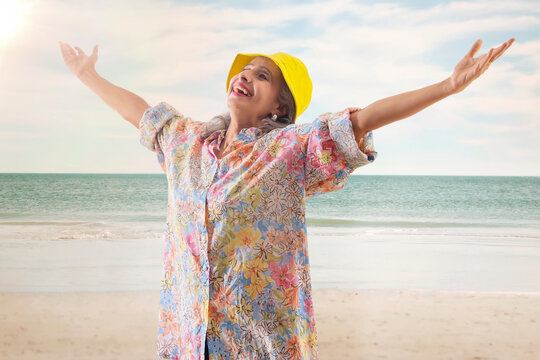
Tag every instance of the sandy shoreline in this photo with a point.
(352, 324)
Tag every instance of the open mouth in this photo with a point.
(240, 91)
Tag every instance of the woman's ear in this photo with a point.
(281, 110)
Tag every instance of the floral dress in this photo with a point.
(236, 263)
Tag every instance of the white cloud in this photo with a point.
(356, 54)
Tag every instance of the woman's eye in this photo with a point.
(264, 76)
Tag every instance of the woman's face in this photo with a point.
(261, 78)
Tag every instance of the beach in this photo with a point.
(351, 324)
(402, 267)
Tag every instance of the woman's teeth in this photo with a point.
(241, 91)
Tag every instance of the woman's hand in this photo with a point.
(470, 68)
(129, 105)
(78, 63)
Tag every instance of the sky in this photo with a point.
(356, 52)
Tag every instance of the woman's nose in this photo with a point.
(244, 76)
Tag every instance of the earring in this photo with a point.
(274, 117)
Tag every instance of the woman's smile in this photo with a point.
(240, 89)
(239, 93)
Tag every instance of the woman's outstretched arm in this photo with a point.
(129, 105)
(397, 107)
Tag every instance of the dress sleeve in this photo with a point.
(331, 151)
(162, 128)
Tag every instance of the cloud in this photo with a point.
(356, 53)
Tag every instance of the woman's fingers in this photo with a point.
(67, 50)
(493, 55)
(94, 51)
(476, 46)
(502, 49)
(66, 54)
(80, 51)
(497, 52)
(486, 62)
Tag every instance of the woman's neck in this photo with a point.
(230, 134)
(234, 128)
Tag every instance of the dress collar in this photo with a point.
(249, 134)
(245, 135)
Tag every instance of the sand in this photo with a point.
(352, 324)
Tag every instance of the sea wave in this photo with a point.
(391, 223)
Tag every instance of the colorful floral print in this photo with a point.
(236, 263)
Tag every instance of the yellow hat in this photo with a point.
(294, 72)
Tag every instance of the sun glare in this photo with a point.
(12, 17)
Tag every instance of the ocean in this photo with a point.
(103, 232)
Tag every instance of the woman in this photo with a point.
(236, 281)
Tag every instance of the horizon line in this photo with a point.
(157, 173)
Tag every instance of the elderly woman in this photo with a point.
(236, 282)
